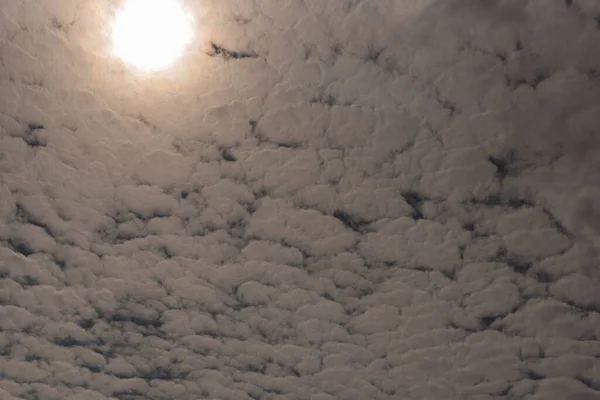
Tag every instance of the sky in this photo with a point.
(321, 200)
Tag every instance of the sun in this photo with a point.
(151, 34)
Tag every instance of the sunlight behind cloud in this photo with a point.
(151, 34)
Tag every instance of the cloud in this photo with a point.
(326, 200)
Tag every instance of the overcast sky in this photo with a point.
(328, 199)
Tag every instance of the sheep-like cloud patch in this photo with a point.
(323, 200)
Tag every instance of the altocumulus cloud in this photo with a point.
(324, 200)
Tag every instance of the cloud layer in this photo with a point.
(327, 200)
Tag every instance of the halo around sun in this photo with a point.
(151, 34)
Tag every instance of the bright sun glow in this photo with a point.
(151, 34)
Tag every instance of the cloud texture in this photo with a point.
(329, 200)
